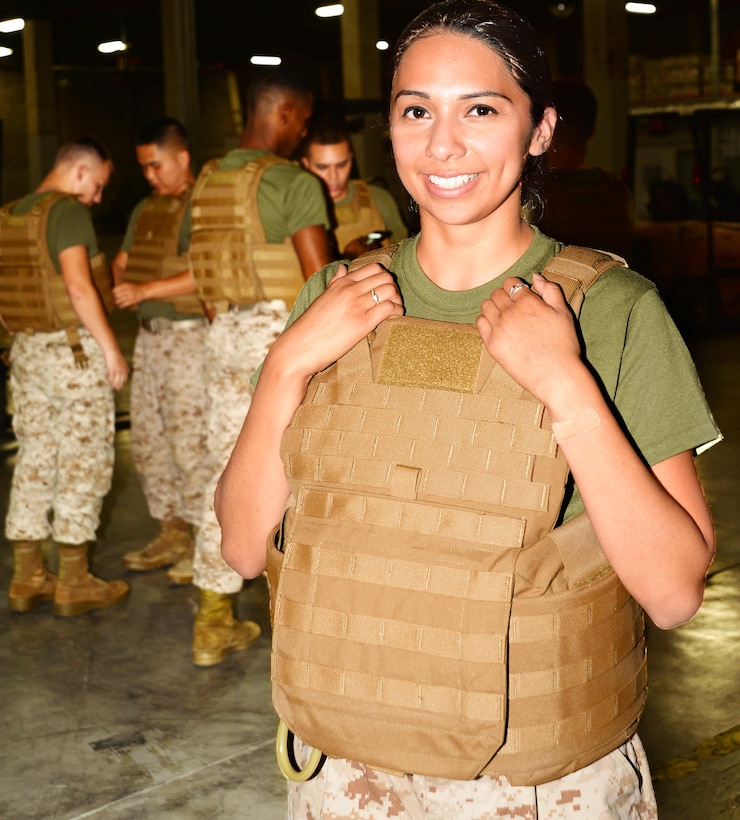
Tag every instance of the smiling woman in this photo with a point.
(466, 491)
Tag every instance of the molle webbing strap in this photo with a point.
(358, 217)
(577, 679)
(279, 270)
(231, 261)
(33, 297)
(154, 250)
(383, 256)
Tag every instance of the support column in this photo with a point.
(605, 70)
(362, 83)
(181, 68)
(38, 75)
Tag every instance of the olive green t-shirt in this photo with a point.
(629, 340)
(152, 308)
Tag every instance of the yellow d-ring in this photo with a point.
(285, 757)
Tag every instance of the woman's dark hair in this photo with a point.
(518, 45)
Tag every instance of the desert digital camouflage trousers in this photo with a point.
(616, 787)
(64, 420)
(237, 344)
(169, 421)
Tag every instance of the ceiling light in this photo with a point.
(5, 52)
(640, 8)
(335, 10)
(562, 10)
(112, 46)
(382, 45)
(264, 59)
(9, 26)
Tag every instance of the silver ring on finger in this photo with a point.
(375, 296)
(516, 288)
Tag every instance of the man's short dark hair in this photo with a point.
(327, 132)
(280, 80)
(162, 132)
(82, 147)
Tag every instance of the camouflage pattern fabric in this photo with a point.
(64, 420)
(237, 343)
(169, 421)
(616, 786)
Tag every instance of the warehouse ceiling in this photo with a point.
(229, 32)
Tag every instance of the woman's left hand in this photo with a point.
(531, 333)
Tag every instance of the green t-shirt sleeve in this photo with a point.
(645, 369)
(386, 204)
(290, 199)
(659, 395)
(128, 239)
(70, 224)
(644, 366)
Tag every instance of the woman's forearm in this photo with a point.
(653, 525)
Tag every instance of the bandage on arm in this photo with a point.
(584, 421)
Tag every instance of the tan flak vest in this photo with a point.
(430, 617)
(154, 248)
(33, 296)
(231, 261)
(357, 217)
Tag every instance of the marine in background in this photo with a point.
(584, 204)
(168, 403)
(259, 230)
(365, 216)
(65, 366)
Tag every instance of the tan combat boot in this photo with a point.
(217, 633)
(31, 583)
(78, 590)
(173, 543)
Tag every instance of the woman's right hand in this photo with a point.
(339, 318)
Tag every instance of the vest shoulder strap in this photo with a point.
(383, 256)
(575, 269)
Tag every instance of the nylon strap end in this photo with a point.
(73, 337)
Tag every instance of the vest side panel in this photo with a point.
(32, 294)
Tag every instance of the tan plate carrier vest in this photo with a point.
(231, 260)
(153, 254)
(428, 615)
(357, 217)
(33, 296)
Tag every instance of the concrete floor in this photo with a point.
(105, 716)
